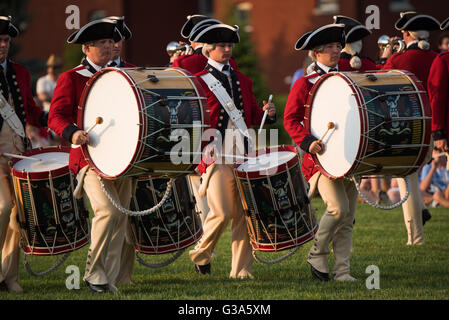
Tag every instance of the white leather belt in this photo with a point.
(10, 116)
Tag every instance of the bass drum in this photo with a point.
(152, 122)
(382, 123)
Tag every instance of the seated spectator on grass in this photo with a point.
(434, 180)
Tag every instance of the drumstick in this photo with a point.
(98, 120)
(330, 125)
(19, 156)
(265, 114)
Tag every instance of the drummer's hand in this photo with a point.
(271, 108)
(316, 147)
(80, 137)
(32, 132)
(441, 144)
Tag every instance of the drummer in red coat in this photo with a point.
(350, 59)
(15, 90)
(438, 88)
(340, 195)
(128, 250)
(416, 58)
(108, 225)
(218, 179)
(196, 61)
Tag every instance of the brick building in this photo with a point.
(275, 25)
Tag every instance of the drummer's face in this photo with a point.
(330, 54)
(4, 46)
(222, 52)
(100, 51)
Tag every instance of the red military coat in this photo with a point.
(33, 114)
(416, 61)
(64, 109)
(438, 89)
(196, 62)
(252, 113)
(294, 114)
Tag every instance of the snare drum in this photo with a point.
(153, 120)
(175, 226)
(51, 220)
(382, 119)
(274, 197)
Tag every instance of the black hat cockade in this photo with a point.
(122, 27)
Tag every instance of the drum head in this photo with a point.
(334, 101)
(267, 161)
(50, 161)
(112, 144)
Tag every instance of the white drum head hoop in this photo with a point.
(335, 102)
(266, 161)
(49, 161)
(113, 143)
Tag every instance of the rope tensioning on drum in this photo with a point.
(275, 260)
(136, 213)
(378, 206)
(45, 272)
(175, 256)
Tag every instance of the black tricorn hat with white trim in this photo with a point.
(192, 20)
(354, 30)
(413, 21)
(95, 30)
(122, 27)
(445, 24)
(200, 26)
(218, 33)
(326, 34)
(6, 27)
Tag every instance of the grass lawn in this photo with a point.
(406, 272)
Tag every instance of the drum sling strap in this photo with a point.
(10, 116)
(228, 104)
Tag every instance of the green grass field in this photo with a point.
(406, 272)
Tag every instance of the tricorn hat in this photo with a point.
(200, 26)
(354, 30)
(413, 21)
(217, 33)
(98, 29)
(445, 24)
(6, 27)
(122, 27)
(192, 20)
(323, 35)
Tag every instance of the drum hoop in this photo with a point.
(128, 171)
(363, 145)
(80, 119)
(255, 174)
(40, 175)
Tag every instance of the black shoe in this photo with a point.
(3, 286)
(425, 216)
(319, 275)
(98, 288)
(202, 269)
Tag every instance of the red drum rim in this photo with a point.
(42, 174)
(287, 244)
(46, 251)
(80, 118)
(256, 174)
(170, 248)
